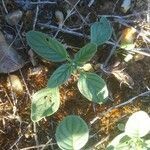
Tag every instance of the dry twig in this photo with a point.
(120, 105)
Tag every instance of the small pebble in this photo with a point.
(14, 17)
(126, 5)
(14, 82)
(60, 17)
(88, 67)
(138, 57)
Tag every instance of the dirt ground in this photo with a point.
(17, 131)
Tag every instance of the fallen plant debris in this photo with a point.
(72, 73)
(10, 60)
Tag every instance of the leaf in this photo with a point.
(118, 144)
(138, 124)
(147, 142)
(72, 133)
(127, 46)
(101, 31)
(45, 102)
(10, 60)
(93, 87)
(60, 75)
(46, 47)
(85, 53)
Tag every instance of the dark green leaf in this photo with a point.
(60, 75)
(101, 31)
(44, 103)
(85, 53)
(72, 133)
(93, 87)
(46, 47)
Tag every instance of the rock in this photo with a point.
(127, 38)
(126, 5)
(88, 67)
(24, 4)
(60, 17)
(10, 60)
(14, 82)
(14, 17)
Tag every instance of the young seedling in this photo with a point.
(137, 127)
(91, 86)
(72, 133)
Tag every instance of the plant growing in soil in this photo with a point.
(72, 133)
(46, 101)
(137, 127)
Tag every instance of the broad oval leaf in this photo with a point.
(101, 31)
(85, 53)
(46, 47)
(138, 124)
(60, 75)
(120, 142)
(72, 133)
(93, 87)
(44, 103)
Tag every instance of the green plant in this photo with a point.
(137, 126)
(92, 86)
(45, 102)
(72, 133)
(101, 31)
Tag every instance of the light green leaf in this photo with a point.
(44, 103)
(93, 87)
(60, 75)
(72, 133)
(147, 142)
(46, 47)
(127, 46)
(85, 53)
(120, 142)
(101, 31)
(138, 124)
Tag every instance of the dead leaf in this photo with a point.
(10, 60)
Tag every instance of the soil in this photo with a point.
(17, 130)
